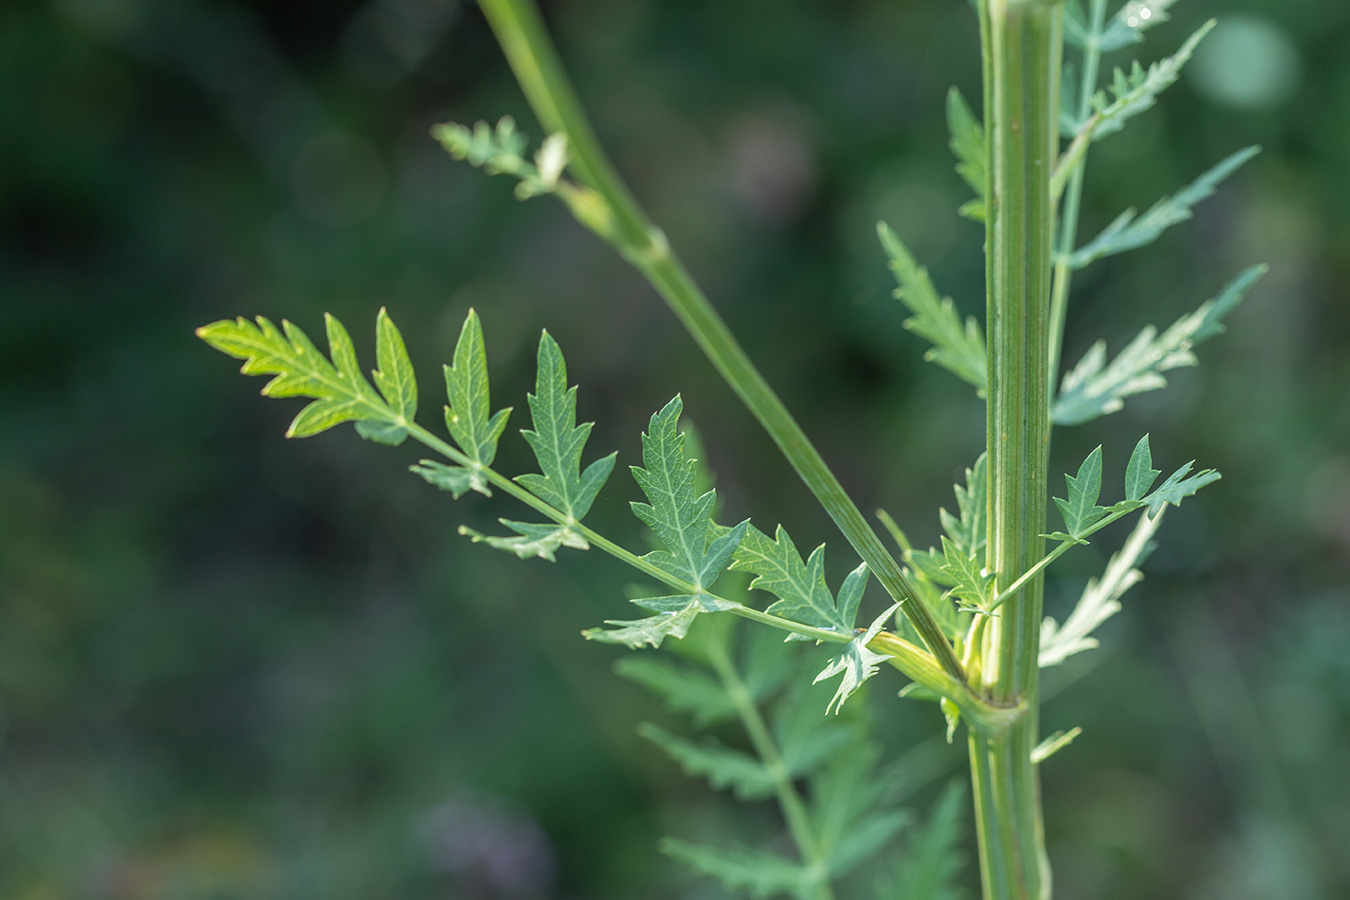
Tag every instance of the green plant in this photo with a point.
(970, 632)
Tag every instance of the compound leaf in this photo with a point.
(685, 689)
(1138, 91)
(723, 767)
(339, 392)
(501, 150)
(928, 871)
(967, 143)
(558, 441)
(1128, 232)
(455, 479)
(1093, 388)
(759, 873)
(957, 347)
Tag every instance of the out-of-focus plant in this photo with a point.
(969, 629)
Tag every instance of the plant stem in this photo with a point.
(1073, 195)
(913, 661)
(761, 738)
(613, 213)
(1021, 49)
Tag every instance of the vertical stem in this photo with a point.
(1021, 56)
(1073, 194)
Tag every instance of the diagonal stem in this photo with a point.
(606, 205)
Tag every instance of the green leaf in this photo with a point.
(1094, 388)
(967, 143)
(800, 586)
(856, 663)
(558, 441)
(1140, 474)
(1100, 599)
(956, 347)
(394, 377)
(929, 870)
(1178, 486)
(850, 797)
(970, 583)
(723, 767)
(653, 630)
(1081, 511)
(1128, 24)
(1128, 232)
(805, 740)
(386, 433)
(531, 539)
(971, 531)
(339, 391)
(1137, 92)
(757, 872)
(468, 417)
(501, 151)
(455, 479)
(684, 689)
(681, 520)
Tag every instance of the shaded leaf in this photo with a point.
(1093, 388)
(653, 630)
(967, 143)
(684, 689)
(1128, 232)
(1128, 24)
(757, 872)
(501, 150)
(957, 347)
(929, 870)
(723, 767)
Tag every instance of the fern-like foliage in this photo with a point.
(967, 143)
(1093, 388)
(820, 770)
(501, 150)
(696, 550)
(957, 346)
(935, 858)
(1137, 92)
(958, 568)
(1128, 231)
(339, 391)
(1125, 29)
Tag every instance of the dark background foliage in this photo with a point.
(236, 666)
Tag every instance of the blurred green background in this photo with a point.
(237, 666)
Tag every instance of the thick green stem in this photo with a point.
(789, 801)
(610, 210)
(1021, 42)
